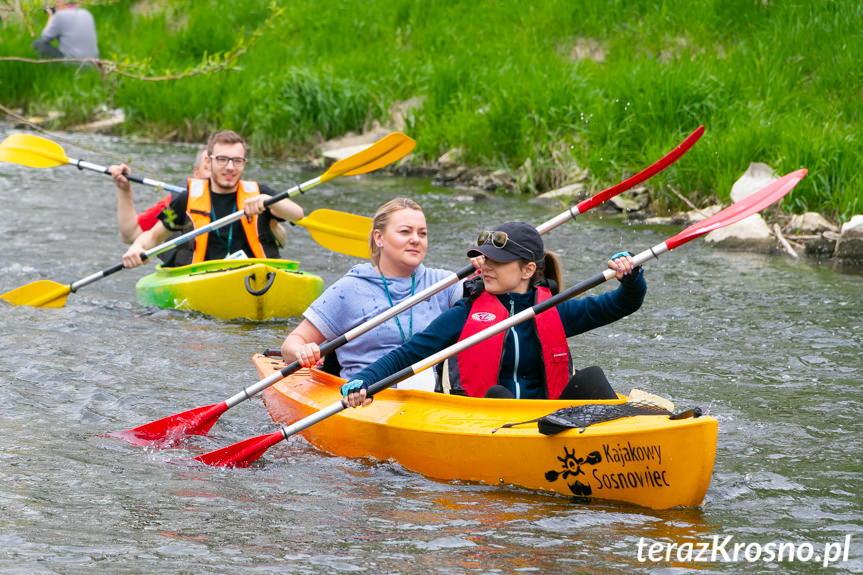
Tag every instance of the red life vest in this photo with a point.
(199, 211)
(148, 218)
(479, 365)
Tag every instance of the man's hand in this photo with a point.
(255, 205)
(118, 172)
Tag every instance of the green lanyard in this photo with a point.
(230, 228)
(390, 299)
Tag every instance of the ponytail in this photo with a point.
(548, 271)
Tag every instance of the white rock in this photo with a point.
(855, 224)
(693, 216)
(850, 243)
(753, 179)
(565, 194)
(450, 157)
(809, 223)
(750, 233)
(338, 154)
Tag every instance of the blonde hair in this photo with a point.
(382, 218)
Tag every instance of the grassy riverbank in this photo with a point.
(604, 85)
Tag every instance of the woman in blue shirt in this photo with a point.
(398, 242)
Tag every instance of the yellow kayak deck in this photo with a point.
(256, 289)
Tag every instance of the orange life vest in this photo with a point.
(478, 365)
(199, 211)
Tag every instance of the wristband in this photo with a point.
(353, 386)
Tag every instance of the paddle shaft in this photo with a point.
(287, 431)
(171, 244)
(331, 345)
(83, 165)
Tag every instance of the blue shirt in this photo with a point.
(359, 296)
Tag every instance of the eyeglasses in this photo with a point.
(222, 161)
(499, 240)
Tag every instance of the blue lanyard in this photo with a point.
(390, 299)
(230, 228)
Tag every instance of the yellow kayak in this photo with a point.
(649, 460)
(255, 289)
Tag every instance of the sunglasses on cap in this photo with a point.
(499, 240)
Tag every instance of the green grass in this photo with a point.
(773, 81)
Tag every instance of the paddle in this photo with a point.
(36, 152)
(339, 231)
(198, 421)
(45, 293)
(246, 452)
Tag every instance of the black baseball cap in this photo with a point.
(523, 242)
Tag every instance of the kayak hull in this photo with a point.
(255, 289)
(647, 460)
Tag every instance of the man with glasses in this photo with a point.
(132, 224)
(208, 200)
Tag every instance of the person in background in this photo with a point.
(398, 242)
(211, 199)
(531, 359)
(74, 30)
(131, 223)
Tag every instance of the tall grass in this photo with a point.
(602, 85)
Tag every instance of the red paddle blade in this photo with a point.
(644, 174)
(196, 421)
(751, 204)
(241, 454)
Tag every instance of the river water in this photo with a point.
(769, 346)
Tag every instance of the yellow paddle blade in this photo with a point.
(382, 153)
(32, 151)
(339, 231)
(42, 293)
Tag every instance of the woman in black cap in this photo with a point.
(531, 359)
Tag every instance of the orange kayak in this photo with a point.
(648, 460)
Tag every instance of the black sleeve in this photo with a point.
(265, 189)
(174, 216)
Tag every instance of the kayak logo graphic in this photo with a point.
(483, 316)
(572, 468)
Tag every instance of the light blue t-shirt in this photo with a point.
(360, 296)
